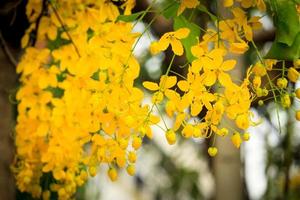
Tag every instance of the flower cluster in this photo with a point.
(209, 89)
(78, 106)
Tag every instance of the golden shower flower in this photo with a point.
(170, 38)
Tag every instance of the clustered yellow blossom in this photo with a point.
(209, 90)
(78, 106)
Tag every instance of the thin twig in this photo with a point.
(64, 28)
(7, 51)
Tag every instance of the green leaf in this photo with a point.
(170, 9)
(192, 39)
(284, 52)
(287, 40)
(204, 9)
(130, 18)
(286, 21)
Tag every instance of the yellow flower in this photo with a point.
(165, 83)
(170, 38)
(215, 68)
(187, 4)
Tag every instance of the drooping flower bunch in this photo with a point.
(78, 104)
(210, 86)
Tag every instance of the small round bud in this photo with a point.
(130, 170)
(112, 174)
(260, 102)
(246, 136)
(212, 151)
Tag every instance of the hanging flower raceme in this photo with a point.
(72, 112)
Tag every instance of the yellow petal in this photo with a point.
(228, 3)
(210, 79)
(196, 109)
(167, 82)
(238, 47)
(224, 79)
(197, 51)
(177, 47)
(182, 33)
(164, 42)
(228, 65)
(150, 85)
(183, 86)
(155, 48)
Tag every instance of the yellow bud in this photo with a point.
(61, 192)
(188, 131)
(260, 102)
(92, 171)
(132, 157)
(298, 93)
(259, 92)
(257, 82)
(297, 115)
(285, 101)
(242, 121)
(246, 136)
(46, 195)
(197, 132)
(293, 74)
(123, 143)
(212, 151)
(136, 142)
(259, 69)
(113, 174)
(296, 63)
(236, 140)
(171, 136)
(83, 175)
(130, 170)
(282, 83)
(265, 92)
(222, 132)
